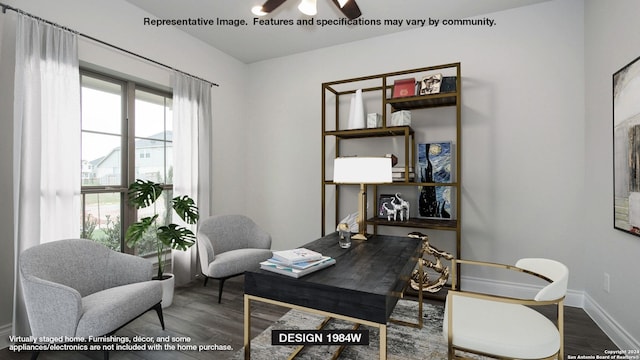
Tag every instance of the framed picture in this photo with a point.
(430, 84)
(626, 148)
(434, 166)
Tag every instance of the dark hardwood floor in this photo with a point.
(196, 314)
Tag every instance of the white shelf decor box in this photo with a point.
(374, 120)
(401, 118)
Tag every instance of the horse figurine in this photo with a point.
(401, 206)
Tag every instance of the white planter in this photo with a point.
(167, 290)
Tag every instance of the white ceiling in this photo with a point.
(251, 43)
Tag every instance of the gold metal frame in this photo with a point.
(505, 299)
(247, 325)
(419, 323)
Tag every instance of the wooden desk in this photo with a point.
(363, 286)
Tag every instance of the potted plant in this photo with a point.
(170, 236)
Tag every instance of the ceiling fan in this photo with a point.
(348, 7)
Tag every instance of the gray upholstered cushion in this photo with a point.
(237, 261)
(109, 309)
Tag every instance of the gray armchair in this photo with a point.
(229, 245)
(78, 288)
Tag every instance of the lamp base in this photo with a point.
(359, 236)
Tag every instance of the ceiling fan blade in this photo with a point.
(271, 5)
(350, 9)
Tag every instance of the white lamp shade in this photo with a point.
(362, 170)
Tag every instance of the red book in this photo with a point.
(404, 87)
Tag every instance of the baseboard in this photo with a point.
(610, 326)
(5, 332)
(580, 299)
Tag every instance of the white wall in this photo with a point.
(523, 112)
(525, 159)
(611, 43)
(120, 24)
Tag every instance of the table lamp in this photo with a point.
(363, 171)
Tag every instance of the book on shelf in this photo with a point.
(294, 272)
(288, 257)
(400, 176)
(400, 169)
(397, 173)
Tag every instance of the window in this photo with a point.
(126, 135)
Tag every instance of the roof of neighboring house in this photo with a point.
(144, 143)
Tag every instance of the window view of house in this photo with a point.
(109, 130)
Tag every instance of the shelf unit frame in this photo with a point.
(444, 99)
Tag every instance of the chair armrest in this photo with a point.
(53, 309)
(502, 298)
(455, 262)
(493, 297)
(126, 269)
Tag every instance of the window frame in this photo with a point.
(128, 214)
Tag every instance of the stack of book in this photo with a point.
(296, 262)
(398, 173)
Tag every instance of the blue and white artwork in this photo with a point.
(434, 166)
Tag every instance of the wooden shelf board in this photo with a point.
(424, 101)
(374, 132)
(439, 224)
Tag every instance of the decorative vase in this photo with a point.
(356, 112)
(168, 283)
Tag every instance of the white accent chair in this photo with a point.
(79, 288)
(229, 245)
(506, 327)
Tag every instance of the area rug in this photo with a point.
(403, 342)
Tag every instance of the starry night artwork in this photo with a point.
(434, 166)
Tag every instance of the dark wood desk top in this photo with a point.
(364, 283)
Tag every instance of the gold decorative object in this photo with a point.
(432, 286)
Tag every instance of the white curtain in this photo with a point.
(191, 156)
(46, 140)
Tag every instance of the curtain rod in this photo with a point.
(6, 7)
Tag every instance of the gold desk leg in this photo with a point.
(383, 342)
(419, 323)
(247, 328)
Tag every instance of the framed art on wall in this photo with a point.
(434, 166)
(626, 148)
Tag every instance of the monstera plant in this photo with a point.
(144, 193)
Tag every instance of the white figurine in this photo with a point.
(402, 206)
(398, 209)
(389, 212)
